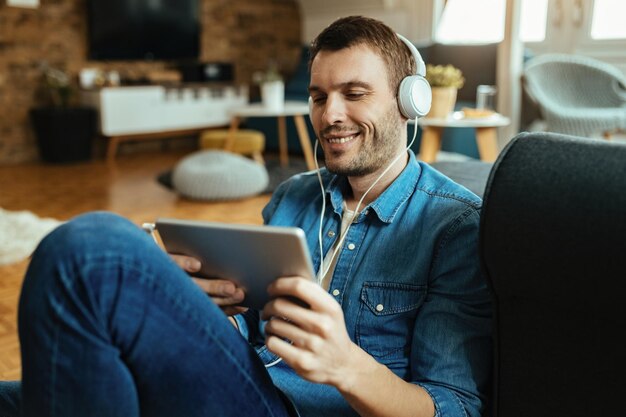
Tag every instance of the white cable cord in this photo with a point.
(356, 213)
(269, 365)
(322, 272)
(319, 234)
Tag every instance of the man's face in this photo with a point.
(354, 113)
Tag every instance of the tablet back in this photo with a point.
(252, 256)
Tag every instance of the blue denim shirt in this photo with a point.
(409, 283)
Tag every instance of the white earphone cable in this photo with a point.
(356, 213)
(323, 271)
(319, 233)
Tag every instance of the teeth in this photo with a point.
(341, 140)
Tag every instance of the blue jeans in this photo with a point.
(110, 326)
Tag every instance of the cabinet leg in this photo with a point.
(112, 148)
(282, 141)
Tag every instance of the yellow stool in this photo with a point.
(247, 142)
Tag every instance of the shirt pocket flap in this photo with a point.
(384, 298)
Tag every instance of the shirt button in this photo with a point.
(336, 292)
(351, 246)
(331, 233)
(380, 307)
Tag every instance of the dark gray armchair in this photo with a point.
(553, 246)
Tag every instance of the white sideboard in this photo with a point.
(148, 112)
(151, 109)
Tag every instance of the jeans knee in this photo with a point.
(92, 232)
(71, 249)
(78, 250)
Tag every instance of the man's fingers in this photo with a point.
(234, 310)
(187, 263)
(220, 288)
(287, 330)
(308, 292)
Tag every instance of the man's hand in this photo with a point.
(224, 293)
(321, 349)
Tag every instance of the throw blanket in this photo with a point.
(20, 233)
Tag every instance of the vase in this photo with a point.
(273, 95)
(444, 99)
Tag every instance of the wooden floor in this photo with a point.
(128, 188)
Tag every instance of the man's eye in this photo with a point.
(355, 96)
(319, 100)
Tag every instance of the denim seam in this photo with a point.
(53, 373)
(402, 287)
(451, 230)
(450, 196)
(433, 396)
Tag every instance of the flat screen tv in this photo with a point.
(143, 29)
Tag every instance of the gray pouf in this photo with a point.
(218, 175)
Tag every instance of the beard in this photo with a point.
(374, 152)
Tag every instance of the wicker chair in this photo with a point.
(577, 95)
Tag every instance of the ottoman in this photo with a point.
(218, 175)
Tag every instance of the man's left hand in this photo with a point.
(320, 348)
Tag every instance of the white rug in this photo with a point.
(20, 233)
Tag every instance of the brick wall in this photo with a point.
(248, 33)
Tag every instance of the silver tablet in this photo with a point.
(252, 256)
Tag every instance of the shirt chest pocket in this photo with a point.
(386, 318)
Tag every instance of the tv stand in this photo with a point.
(135, 113)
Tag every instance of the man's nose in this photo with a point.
(334, 110)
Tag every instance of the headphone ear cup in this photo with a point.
(414, 97)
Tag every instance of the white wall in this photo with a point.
(412, 18)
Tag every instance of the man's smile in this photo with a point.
(341, 138)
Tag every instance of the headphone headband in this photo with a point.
(414, 94)
(421, 67)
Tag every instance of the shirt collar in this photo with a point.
(389, 202)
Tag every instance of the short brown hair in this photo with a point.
(356, 30)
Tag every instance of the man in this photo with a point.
(400, 325)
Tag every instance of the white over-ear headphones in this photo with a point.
(414, 99)
(414, 94)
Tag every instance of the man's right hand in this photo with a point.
(226, 294)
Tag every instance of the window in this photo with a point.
(482, 21)
(608, 19)
(533, 19)
(476, 21)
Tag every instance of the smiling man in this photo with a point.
(398, 324)
(401, 323)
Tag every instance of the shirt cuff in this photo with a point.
(447, 404)
(242, 326)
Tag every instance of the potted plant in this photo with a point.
(64, 131)
(444, 80)
(272, 86)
